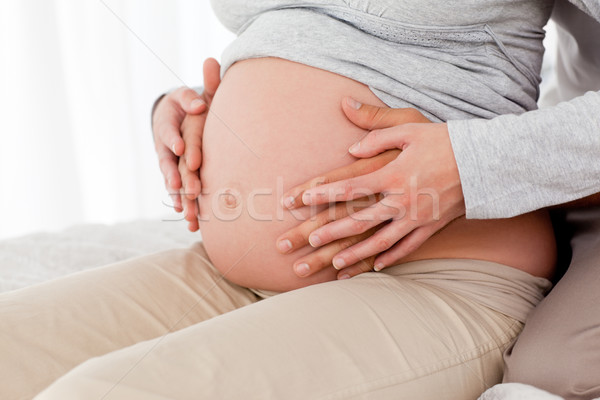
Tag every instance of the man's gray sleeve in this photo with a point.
(512, 164)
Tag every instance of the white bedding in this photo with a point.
(39, 257)
(517, 391)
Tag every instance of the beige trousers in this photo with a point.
(169, 326)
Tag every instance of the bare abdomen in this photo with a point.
(275, 124)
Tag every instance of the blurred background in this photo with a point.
(78, 80)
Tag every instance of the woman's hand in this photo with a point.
(297, 237)
(167, 126)
(420, 187)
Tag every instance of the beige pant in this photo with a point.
(423, 330)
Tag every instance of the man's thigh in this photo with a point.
(559, 348)
(375, 336)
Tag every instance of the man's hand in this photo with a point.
(420, 187)
(170, 145)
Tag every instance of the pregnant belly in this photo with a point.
(275, 124)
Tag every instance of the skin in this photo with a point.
(359, 245)
(178, 124)
(267, 132)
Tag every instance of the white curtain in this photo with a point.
(78, 80)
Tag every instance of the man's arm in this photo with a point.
(514, 164)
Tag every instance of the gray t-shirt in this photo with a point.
(467, 63)
(481, 60)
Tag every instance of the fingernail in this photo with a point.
(196, 103)
(353, 103)
(288, 202)
(302, 269)
(306, 198)
(378, 267)
(284, 245)
(354, 148)
(344, 276)
(314, 240)
(339, 263)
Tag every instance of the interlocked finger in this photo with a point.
(321, 258)
(360, 267)
(379, 242)
(297, 237)
(293, 198)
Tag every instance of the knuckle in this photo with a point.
(409, 247)
(320, 260)
(381, 114)
(371, 113)
(375, 135)
(383, 243)
(347, 189)
(358, 225)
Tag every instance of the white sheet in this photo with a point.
(517, 391)
(39, 257)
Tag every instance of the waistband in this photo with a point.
(497, 286)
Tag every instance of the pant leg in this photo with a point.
(559, 349)
(376, 336)
(47, 329)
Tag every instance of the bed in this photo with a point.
(42, 256)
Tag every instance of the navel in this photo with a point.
(229, 198)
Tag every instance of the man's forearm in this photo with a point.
(512, 164)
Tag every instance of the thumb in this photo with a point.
(378, 141)
(373, 117)
(190, 101)
(212, 76)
